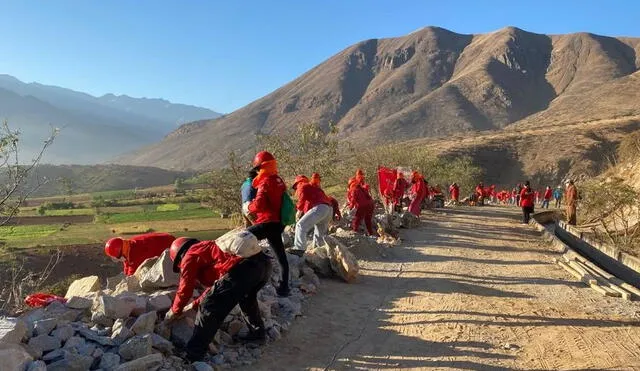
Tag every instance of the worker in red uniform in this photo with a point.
(266, 207)
(527, 202)
(399, 187)
(418, 193)
(315, 180)
(230, 280)
(480, 194)
(454, 192)
(546, 198)
(314, 212)
(134, 251)
(360, 200)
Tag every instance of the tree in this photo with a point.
(20, 179)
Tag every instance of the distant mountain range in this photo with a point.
(434, 83)
(94, 129)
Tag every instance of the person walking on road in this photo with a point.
(557, 196)
(571, 200)
(266, 206)
(527, 202)
(418, 193)
(546, 198)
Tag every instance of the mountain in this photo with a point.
(432, 83)
(94, 129)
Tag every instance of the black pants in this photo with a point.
(558, 203)
(272, 232)
(526, 214)
(239, 286)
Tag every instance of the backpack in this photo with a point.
(239, 242)
(287, 210)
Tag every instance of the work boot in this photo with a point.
(296, 252)
(283, 291)
(257, 336)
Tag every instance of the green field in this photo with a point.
(145, 216)
(69, 212)
(19, 233)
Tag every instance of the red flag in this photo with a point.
(386, 179)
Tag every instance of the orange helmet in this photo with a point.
(113, 247)
(178, 248)
(315, 179)
(299, 179)
(262, 157)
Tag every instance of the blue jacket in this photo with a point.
(557, 194)
(247, 191)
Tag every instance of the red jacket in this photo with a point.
(143, 247)
(268, 201)
(480, 191)
(203, 263)
(455, 192)
(310, 196)
(527, 198)
(399, 186)
(419, 189)
(360, 197)
(548, 193)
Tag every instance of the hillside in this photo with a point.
(432, 83)
(95, 129)
(96, 178)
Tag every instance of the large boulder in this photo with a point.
(409, 220)
(145, 323)
(37, 366)
(161, 344)
(112, 307)
(80, 302)
(181, 331)
(71, 362)
(14, 357)
(12, 330)
(343, 262)
(157, 275)
(83, 286)
(136, 347)
(150, 362)
(318, 259)
(64, 332)
(45, 326)
(127, 284)
(45, 343)
(113, 281)
(109, 361)
(159, 302)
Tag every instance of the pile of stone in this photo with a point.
(334, 259)
(121, 327)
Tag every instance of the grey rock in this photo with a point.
(101, 331)
(14, 356)
(45, 343)
(102, 319)
(159, 302)
(274, 334)
(112, 307)
(87, 349)
(71, 362)
(145, 323)
(235, 327)
(127, 284)
(30, 318)
(150, 362)
(12, 330)
(37, 366)
(138, 303)
(109, 361)
(201, 366)
(121, 335)
(54, 355)
(136, 347)
(318, 259)
(83, 286)
(113, 281)
(181, 331)
(63, 333)
(92, 336)
(161, 344)
(409, 220)
(79, 302)
(98, 353)
(74, 342)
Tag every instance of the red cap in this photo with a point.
(262, 157)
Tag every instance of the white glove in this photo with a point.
(170, 316)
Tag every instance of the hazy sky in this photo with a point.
(224, 54)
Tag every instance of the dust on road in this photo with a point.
(471, 289)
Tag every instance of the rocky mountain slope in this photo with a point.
(432, 83)
(94, 129)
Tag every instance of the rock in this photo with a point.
(12, 330)
(138, 303)
(109, 361)
(127, 284)
(409, 220)
(45, 343)
(63, 333)
(181, 331)
(101, 331)
(45, 326)
(112, 307)
(274, 334)
(54, 356)
(309, 276)
(318, 259)
(235, 327)
(14, 356)
(74, 342)
(98, 353)
(201, 366)
(161, 344)
(87, 349)
(100, 318)
(343, 262)
(71, 362)
(145, 323)
(159, 302)
(113, 281)
(92, 336)
(37, 366)
(29, 319)
(289, 308)
(147, 363)
(160, 275)
(163, 329)
(79, 302)
(83, 286)
(136, 347)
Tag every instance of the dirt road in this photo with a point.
(471, 289)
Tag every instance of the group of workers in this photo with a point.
(228, 280)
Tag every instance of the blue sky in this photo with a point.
(225, 54)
